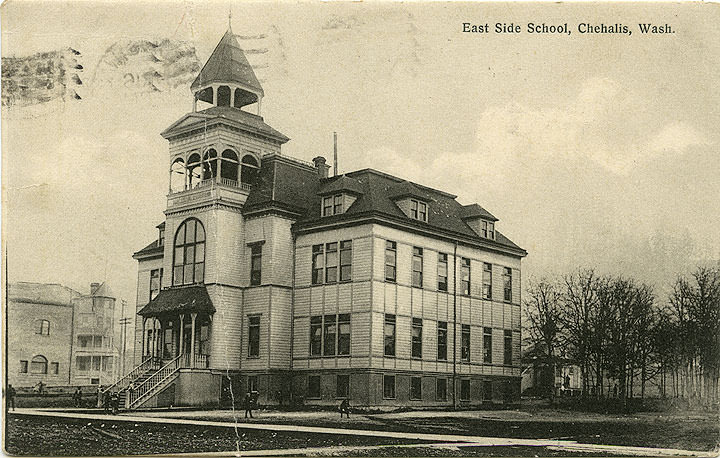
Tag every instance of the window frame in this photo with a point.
(345, 384)
(507, 349)
(487, 281)
(465, 343)
(155, 275)
(418, 210)
(390, 319)
(437, 389)
(507, 284)
(346, 249)
(256, 269)
(442, 336)
(316, 341)
(44, 328)
(442, 279)
(341, 341)
(24, 366)
(416, 391)
(487, 345)
(253, 348)
(41, 360)
(332, 248)
(417, 256)
(391, 249)
(416, 340)
(185, 247)
(330, 344)
(464, 393)
(331, 263)
(318, 257)
(465, 272)
(386, 378)
(332, 205)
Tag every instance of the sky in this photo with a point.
(594, 151)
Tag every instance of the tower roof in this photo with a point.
(227, 64)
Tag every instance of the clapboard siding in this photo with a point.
(280, 319)
(225, 338)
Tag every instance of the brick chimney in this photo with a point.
(321, 167)
(94, 287)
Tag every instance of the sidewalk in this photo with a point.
(429, 439)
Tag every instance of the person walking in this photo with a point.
(10, 394)
(115, 401)
(248, 401)
(107, 400)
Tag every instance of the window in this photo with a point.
(332, 205)
(331, 262)
(189, 255)
(43, 328)
(39, 365)
(97, 341)
(418, 210)
(96, 363)
(314, 387)
(507, 283)
(417, 267)
(161, 237)
(255, 264)
(465, 343)
(415, 388)
(488, 230)
(23, 366)
(229, 167)
(252, 383)
(442, 272)
(337, 204)
(82, 363)
(487, 281)
(327, 206)
(344, 334)
(417, 324)
(330, 334)
(316, 336)
(346, 260)
(253, 336)
(487, 345)
(487, 390)
(390, 260)
(465, 390)
(318, 264)
(389, 386)
(465, 276)
(250, 168)
(441, 389)
(155, 282)
(107, 363)
(442, 340)
(342, 389)
(390, 336)
(507, 348)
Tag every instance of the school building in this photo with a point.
(268, 274)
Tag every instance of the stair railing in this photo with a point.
(147, 388)
(148, 363)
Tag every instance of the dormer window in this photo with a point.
(418, 210)
(161, 237)
(488, 230)
(332, 205)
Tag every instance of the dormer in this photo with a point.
(412, 201)
(161, 234)
(481, 221)
(338, 195)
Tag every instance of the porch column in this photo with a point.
(193, 316)
(144, 339)
(156, 339)
(181, 348)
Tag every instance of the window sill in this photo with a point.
(252, 357)
(389, 356)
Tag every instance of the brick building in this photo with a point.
(59, 336)
(267, 274)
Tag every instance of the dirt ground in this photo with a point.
(49, 436)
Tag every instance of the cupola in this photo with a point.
(227, 79)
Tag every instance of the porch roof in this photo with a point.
(187, 299)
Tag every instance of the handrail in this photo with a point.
(132, 375)
(147, 387)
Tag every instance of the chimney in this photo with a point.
(321, 167)
(94, 287)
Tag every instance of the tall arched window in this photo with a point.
(209, 164)
(189, 257)
(250, 168)
(229, 169)
(38, 365)
(194, 170)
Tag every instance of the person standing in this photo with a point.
(10, 394)
(106, 401)
(248, 401)
(77, 397)
(345, 408)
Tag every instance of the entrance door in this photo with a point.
(186, 338)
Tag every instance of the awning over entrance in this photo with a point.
(187, 299)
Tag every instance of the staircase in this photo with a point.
(150, 384)
(149, 366)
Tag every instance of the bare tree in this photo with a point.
(543, 312)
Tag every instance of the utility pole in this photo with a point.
(124, 322)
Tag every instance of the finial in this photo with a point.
(230, 18)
